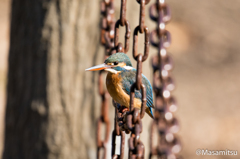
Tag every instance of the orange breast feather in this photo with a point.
(114, 87)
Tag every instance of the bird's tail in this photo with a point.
(150, 112)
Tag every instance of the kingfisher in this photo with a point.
(121, 75)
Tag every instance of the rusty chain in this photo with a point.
(107, 26)
(118, 46)
(104, 119)
(165, 123)
(118, 135)
(130, 121)
(107, 40)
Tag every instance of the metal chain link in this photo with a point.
(107, 26)
(117, 133)
(106, 39)
(123, 22)
(103, 119)
(167, 125)
(118, 47)
(130, 121)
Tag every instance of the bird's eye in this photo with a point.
(115, 63)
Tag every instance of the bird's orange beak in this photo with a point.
(98, 67)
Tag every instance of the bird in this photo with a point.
(121, 75)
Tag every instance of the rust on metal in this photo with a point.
(132, 119)
(165, 38)
(142, 16)
(106, 39)
(120, 112)
(118, 45)
(164, 14)
(117, 132)
(107, 26)
(165, 104)
(129, 120)
(123, 12)
(103, 119)
(146, 43)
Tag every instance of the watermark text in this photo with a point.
(216, 152)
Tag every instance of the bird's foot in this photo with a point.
(123, 110)
(122, 114)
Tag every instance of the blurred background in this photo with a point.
(4, 45)
(205, 49)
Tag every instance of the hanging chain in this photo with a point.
(123, 22)
(118, 136)
(107, 26)
(166, 124)
(134, 122)
(103, 119)
(130, 121)
(106, 39)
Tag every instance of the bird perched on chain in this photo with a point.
(121, 75)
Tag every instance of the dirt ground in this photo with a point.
(205, 50)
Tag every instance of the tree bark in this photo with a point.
(50, 99)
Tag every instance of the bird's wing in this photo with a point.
(149, 93)
(129, 77)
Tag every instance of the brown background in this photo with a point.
(205, 49)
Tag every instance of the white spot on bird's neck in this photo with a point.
(111, 70)
(128, 67)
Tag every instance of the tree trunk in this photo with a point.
(50, 108)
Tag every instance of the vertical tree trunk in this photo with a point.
(50, 108)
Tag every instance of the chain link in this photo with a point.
(107, 26)
(119, 110)
(123, 22)
(167, 125)
(132, 120)
(106, 39)
(103, 119)
(118, 46)
(117, 133)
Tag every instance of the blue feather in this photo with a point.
(128, 78)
